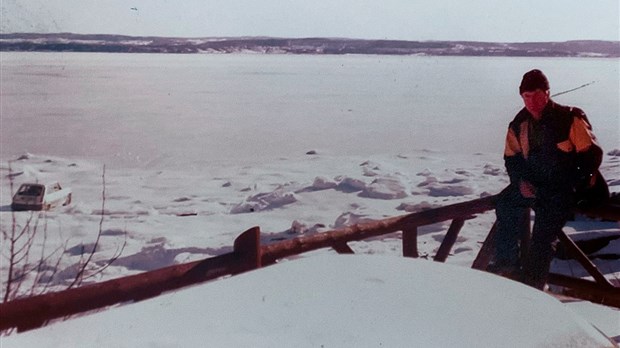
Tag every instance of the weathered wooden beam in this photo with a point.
(410, 241)
(586, 289)
(486, 251)
(32, 312)
(583, 259)
(449, 239)
(362, 231)
(451, 212)
(272, 252)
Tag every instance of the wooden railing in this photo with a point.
(249, 254)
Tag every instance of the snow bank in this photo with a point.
(334, 301)
(264, 201)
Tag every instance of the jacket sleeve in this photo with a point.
(513, 157)
(589, 154)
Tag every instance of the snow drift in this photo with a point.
(335, 301)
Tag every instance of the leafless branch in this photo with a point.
(80, 275)
(19, 240)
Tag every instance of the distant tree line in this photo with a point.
(67, 42)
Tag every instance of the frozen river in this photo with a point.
(146, 110)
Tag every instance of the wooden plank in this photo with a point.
(362, 231)
(410, 241)
(587, 289)
(583, 259)
(486, 252)
(449, 239)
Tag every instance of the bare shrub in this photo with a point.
(30, 273)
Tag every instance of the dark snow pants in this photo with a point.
(552, 209)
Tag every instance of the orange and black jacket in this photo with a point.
(558, 152)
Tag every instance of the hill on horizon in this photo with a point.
(69, 42)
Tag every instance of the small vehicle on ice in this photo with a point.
(31, 196)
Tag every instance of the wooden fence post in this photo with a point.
(410, 241)
(247, 246)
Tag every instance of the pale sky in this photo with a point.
(476, 20)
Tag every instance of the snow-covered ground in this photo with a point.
(335, 301)
(161, 217)
(199, 148)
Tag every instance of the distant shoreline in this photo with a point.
(68, 42)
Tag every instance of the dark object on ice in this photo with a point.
(31, 196)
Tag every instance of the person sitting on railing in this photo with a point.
(552, 159)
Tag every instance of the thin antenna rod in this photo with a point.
(574, 89)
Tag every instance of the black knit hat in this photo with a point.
(533, 80)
